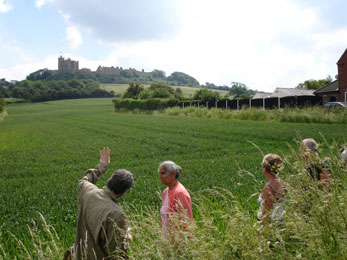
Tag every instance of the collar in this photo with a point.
(174, 187)
(110, 193)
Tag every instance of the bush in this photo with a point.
(289, 115)
(2, 104)
(144, 105)
(206, 95)
(133, 91)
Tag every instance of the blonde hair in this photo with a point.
(272, 163)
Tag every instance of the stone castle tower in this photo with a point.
(67, 66)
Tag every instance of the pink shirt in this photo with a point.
(179, 201)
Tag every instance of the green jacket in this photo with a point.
(101, 225)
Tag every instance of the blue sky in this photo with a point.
(263, 44)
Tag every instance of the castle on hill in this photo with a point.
(72, 67)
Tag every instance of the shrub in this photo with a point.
(290, 115)
(2, 103)
(133, 91)
(206, 95)
(145, 105)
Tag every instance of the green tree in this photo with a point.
(2, 103)
(206, 95)
(133, 90)
(41, 74)
(314, 84)
(160, 90)
(182, 79)
(159, 74)
(179, 90)
(179, 93)
(240, 91)
(146, 94)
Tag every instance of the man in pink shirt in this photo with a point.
(176, 199)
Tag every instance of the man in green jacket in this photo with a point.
(101, 228)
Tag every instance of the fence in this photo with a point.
(265, 103)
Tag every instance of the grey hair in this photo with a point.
(171, 167)
(120, 181)
(310, 144)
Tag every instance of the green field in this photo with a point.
(188, 92)
(46, 147)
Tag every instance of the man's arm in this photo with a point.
(92, 175)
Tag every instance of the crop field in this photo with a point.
(187, 92)
(46, 147)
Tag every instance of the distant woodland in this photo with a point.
(44, 90)
(44, 84)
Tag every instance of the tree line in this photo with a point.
(41, 90)
(124, 77)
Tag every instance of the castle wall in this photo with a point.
(71, 66)
(67, 66)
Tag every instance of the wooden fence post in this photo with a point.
(279, 103)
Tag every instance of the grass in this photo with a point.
(14, 100)
(290, 115)
(187, 92)
(46, 147)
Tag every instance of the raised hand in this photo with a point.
(105, 156)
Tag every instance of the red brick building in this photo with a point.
(342, 76)
(336, 90)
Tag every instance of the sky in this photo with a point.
(263, 44)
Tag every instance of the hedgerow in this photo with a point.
(144, 104)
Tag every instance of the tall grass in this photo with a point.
(290, 115)
(223, 228)
(315, 228)
(45, 243)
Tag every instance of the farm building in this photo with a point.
(285, 92)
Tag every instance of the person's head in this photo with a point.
(272, 163)
(309, 144)
(168, 172)
(308, 149)
(120, 182)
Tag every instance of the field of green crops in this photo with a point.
(46, 147)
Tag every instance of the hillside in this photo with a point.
(187, 92)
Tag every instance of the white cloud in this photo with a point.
(23, 69)
(40, 3)
(4, 7)
(120, 20)
(262, 44)
(73, 38)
